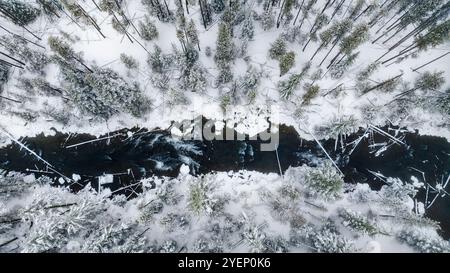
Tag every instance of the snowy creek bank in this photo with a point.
(120, 159)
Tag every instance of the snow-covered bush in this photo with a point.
(116, 238)
(174, 221)
(423, 242)
(253, 235)
(200, 197)
(324, 181)
(397, 193)
(324, 239)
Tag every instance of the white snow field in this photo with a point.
(62, 66)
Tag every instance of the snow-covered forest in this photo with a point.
(331, 68)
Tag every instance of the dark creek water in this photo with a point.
(130, 154)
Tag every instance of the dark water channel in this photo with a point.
(130, 154)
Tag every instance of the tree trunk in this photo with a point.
(299, 10)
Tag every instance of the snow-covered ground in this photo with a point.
(105, 52)
(223, 212)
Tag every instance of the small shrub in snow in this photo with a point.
(276, 244)
(423, 242)
(173, 221)
(324, 239)
(120, 238)
(200, 197)
(254, 237)
(169, 246)
(397, 193)
(148, 210)
(324, 181)
(203, 245)
(357, 222)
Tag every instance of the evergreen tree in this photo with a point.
(192, 34)
(110, 6)
(20, 12)
(324, 181)
(338, 69)
(224, 54)
(248, 29)
(148, 29)
(218, 5)
(287, 87)
(287, 61)
(277, 49)
(160, 9)
(267, 20)
(311, 92)
(158, 61)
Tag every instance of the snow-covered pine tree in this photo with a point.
(277, 49)
(285, 14)
(218, 5)
(423, 242)
(250, 82)
(287, 61)
(287, 87)
(50, 8)
(148, 29)
(20, 12)
(192, 34)
(312, 90)
(159, 9)
(324, 181)
(110, 6)
(338, 70)
(428, 81)
(267, 20)
(158, 61)
(248, 29)
(224, 54)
